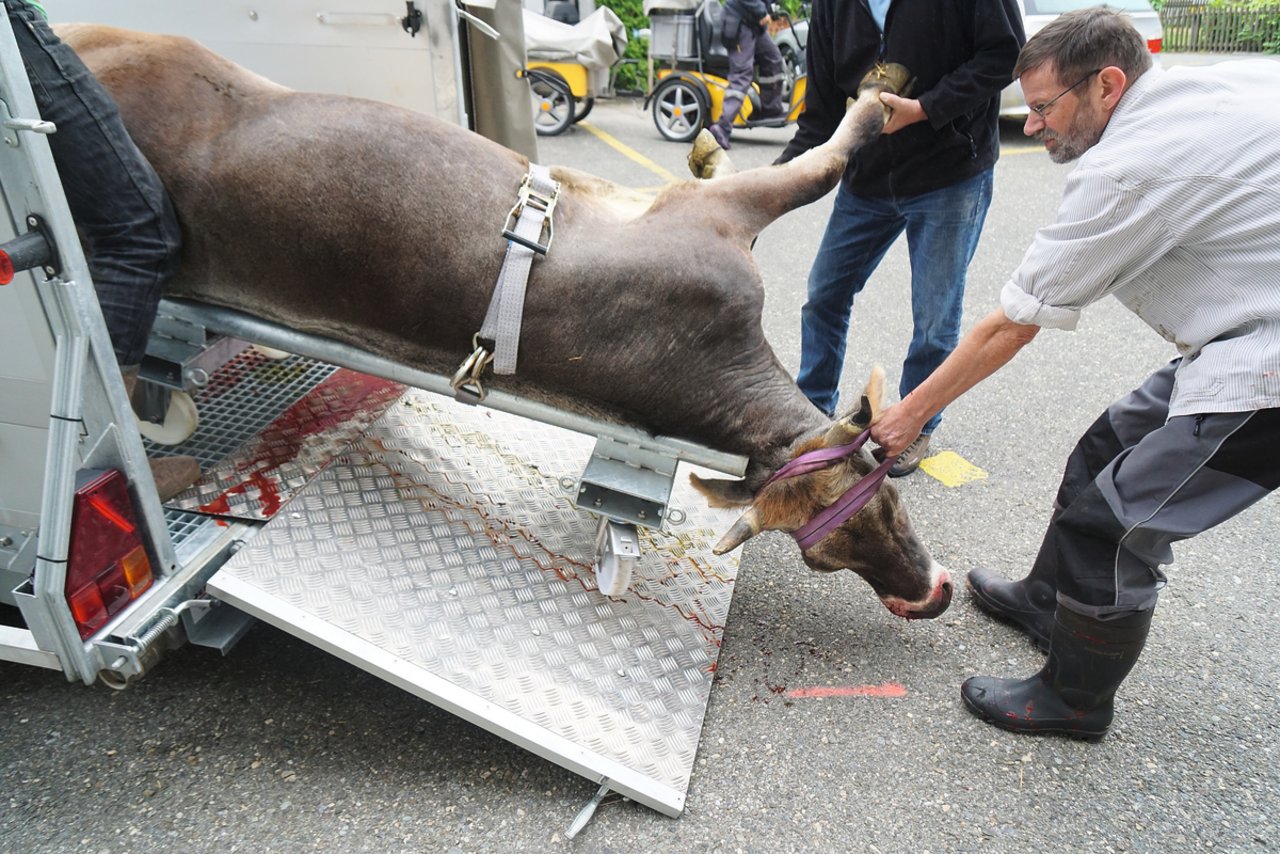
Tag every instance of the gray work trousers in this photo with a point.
(1138, 481)
(752, 48)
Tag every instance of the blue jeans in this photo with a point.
(942, 228)
(116, 198)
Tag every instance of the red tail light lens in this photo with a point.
(1155, 45)
(25, 251)
(108, 566)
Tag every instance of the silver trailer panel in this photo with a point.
(442, 552)
(359, 48)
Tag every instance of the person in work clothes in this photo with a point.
(1174, 209)
(744, 31)
(929, 174)
(120, 207)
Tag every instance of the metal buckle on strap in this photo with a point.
(466, 382)
(540, 202)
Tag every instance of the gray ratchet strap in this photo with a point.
(528, 231)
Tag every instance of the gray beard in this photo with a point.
(1068, 149)
(1078, 139)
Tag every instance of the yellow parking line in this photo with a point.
(951, 469)
(628, 151)
(1022, 149)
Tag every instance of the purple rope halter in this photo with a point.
(853, 499)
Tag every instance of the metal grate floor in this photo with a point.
(242, 398)
(183, 525)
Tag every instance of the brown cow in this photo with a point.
(381, 227)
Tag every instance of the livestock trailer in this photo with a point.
(449, 548)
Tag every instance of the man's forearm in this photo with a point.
(986, 349)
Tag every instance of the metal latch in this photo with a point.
(12, 123)
(544, 204)
(412, 21)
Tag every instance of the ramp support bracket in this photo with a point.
(585, 814)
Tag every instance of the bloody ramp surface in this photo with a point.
(442, 553)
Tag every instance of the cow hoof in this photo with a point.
(180, 421)
(707, 159)
(887, 77)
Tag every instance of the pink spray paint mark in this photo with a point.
(888, 689)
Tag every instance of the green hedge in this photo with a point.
(1221, 25)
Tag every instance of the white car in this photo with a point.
(1037, 13)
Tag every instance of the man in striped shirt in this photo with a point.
(1174, 209)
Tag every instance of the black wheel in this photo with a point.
(791, 70)
(552, 102)
(680, 109)
(581, 112)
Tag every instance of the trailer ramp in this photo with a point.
(441, 551)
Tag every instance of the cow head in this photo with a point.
(877, 542)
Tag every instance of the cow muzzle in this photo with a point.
(931, 606)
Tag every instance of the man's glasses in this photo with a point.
(1043, 109)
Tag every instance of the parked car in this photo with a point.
(1037, 13)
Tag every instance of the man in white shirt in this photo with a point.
(1174, 209)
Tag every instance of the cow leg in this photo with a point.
(751, 200)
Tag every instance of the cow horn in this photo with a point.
(747, 526)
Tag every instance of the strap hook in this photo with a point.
(466, 383)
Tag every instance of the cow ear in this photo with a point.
(730, 493)
(872, 398)
(847, 428)
(721, 492)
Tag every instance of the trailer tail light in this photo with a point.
(108, 567)
(33, 249)
(1155, 45)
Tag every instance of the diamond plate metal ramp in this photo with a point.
(442, 553)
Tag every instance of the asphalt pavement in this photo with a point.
(280, 747)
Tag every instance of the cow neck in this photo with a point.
(850, 502)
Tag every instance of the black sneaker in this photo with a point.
(909, 460)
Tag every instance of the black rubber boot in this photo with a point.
(1072, 694)
(1028, 604)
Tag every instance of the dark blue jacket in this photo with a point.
(738, 12)
(962, 54)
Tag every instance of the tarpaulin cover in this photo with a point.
(597, 41)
